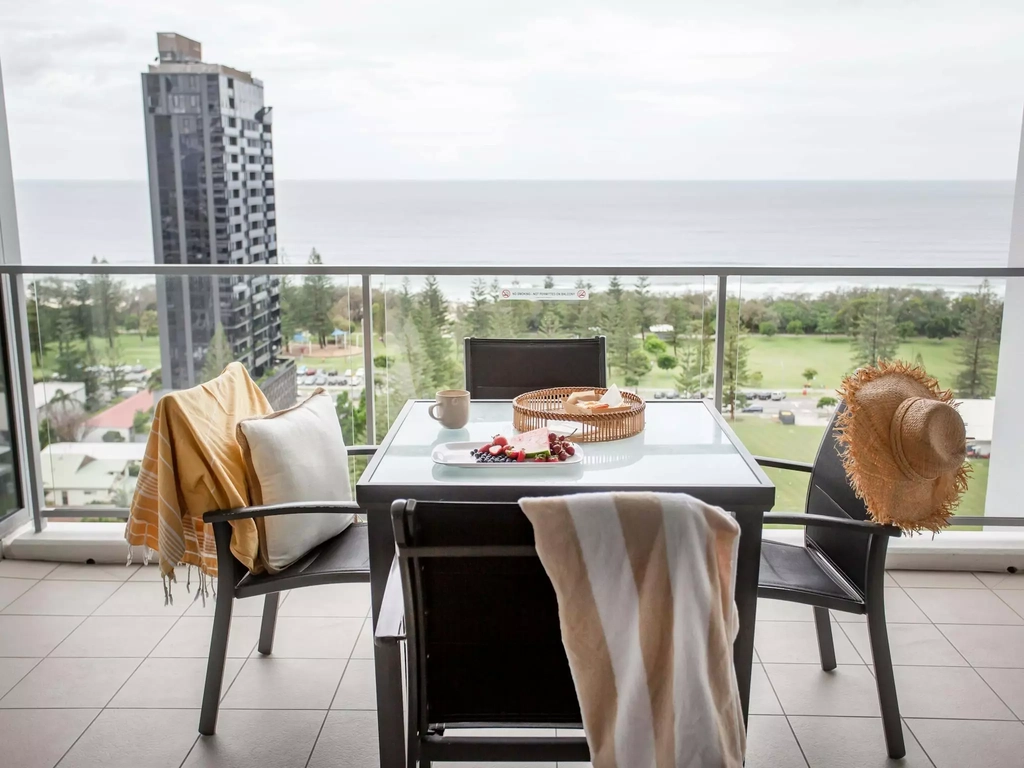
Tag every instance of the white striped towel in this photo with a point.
(645, 600)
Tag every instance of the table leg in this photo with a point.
(387, 660)
(748, 568)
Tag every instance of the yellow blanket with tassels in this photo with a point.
(194, 465)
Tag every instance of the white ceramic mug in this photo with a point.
(451, 408)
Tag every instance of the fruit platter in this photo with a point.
(527, 449)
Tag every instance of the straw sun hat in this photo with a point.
(903, 445)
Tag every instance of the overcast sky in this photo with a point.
(542, 88)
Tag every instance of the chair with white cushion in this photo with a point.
(305, 521)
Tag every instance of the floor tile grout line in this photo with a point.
(79, 737)
(796, 738)
(786, 716)
(27, 673)
(102, 709)
(850, 641)
(312, 747)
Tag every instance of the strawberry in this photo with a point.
(520, 455)
(552, 458)
(499, 440)
(485, 448)
(495, 450)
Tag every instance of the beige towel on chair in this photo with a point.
(645, 600)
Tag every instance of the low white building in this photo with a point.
(48, 394)
(979, 416)
(83, 474)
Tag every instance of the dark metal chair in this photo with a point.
(500, 369)
(344, 559)
(840, 567)
(483, 640)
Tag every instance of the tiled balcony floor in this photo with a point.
(94, 670)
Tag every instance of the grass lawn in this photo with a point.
(131, 351)
(782, 359)
(764, 437)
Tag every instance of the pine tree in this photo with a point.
(550, 326)
(107, 295)
(218, 355)
(116, 372)
(433, 325)
(317, 301)
(876, 336)
(979, 346)
(679, 317)
(503, 322)
(644, 306)
(625, 350)
(736, 372)
(478, 319)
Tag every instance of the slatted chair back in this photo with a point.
(500, 369)
(481, 619)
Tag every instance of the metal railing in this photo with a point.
(11, 281)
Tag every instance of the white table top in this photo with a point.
(686, 446)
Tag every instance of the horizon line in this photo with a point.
(424, 180)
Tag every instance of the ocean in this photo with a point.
(628, 223)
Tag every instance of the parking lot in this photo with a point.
(803, 407)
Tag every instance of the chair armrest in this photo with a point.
(391, 619)
(796, 466)
(824, 521)
(361, 450)
(269, 510)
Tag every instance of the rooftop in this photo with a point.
(122, 415)
(90, 657)
(80, 472)
(45, 391)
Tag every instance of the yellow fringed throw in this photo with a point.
(193, 465)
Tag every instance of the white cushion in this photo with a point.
(296, 455)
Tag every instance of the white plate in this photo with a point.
(458, 455)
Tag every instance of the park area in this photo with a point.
(781, 360)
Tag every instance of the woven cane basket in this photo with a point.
(537, 409)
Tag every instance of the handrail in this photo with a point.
(692, 270)
(366, 272)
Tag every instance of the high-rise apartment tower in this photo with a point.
(211, 184)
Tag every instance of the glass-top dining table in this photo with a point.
(685, 447)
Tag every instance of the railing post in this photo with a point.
(1002, 497)
(368, 380)
(723, 283)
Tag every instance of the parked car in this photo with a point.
(764, 395)
(776, 396)
(309, 379)
(753, 408)
(333, 376)
(300, 371)
(673, 395)
(787, 417)
(659, 395)
(348, 373)
(320, 380)
(360, 372)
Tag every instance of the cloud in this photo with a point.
(479, 88)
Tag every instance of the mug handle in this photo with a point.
(433, 415)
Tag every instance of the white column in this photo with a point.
(1006, 467)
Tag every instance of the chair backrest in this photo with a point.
(829, 493)
(481, 618)
(499, 369)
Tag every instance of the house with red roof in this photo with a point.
(118, 418)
